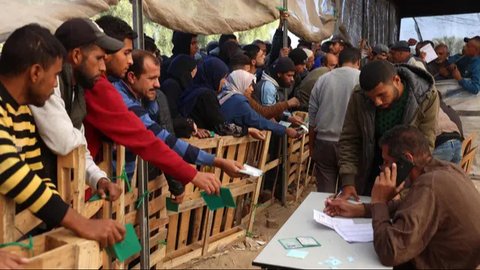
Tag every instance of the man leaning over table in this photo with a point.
(436, 225)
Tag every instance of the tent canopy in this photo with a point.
(50, 14)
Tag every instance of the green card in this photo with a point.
(214, 201)
(227, 197)
(171, 205)
(128, 247)
(96, 197)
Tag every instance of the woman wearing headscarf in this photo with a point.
(179, 77)
(183, 43)
(200, 103)
(236, 108)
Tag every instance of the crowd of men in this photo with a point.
(86, 84)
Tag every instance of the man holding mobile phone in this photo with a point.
(437, 225)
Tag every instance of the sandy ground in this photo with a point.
(240, 255)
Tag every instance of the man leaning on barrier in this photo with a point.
(30, 62)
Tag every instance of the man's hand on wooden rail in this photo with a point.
(10, 260)
(105, 186)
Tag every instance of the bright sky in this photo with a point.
(465, 25)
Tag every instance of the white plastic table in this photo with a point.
(333, 247)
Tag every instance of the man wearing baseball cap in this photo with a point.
(401, 54)
(83, 66)
(379, 52)
(336, 44)
(468, 73)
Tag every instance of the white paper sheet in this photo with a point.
(252, 171)
(431, 54)
(346, 227)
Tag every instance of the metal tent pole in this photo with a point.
(285, 140)
(142, 166)
(138, 23)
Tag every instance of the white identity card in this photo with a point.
(252, 171)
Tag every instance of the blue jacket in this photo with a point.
(189, 153)
(237, 110)
(470, 71)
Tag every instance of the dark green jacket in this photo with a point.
(357, 141)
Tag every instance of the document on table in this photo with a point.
(346, 228)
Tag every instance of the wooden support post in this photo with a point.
(256, 194)
(7, 219)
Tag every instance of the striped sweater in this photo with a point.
(22, 175)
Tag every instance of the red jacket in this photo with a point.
(109, 117)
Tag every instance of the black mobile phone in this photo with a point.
(404, 166)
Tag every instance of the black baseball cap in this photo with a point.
(401, 45)
(78, 32)
(380, 48)
(467, 39)
(335, 39)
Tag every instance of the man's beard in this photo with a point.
(83, 80)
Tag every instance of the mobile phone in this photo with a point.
(404, 166)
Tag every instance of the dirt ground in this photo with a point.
(241, 254)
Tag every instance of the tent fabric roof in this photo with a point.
(50, 14)
(308, 19)
(418, 8)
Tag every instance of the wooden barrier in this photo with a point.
(59, 249)
(195, 231)
(51, 249)
(71, 168)
(299, 162)
(468, 153)
(174, 237)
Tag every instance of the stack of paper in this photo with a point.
(346, 228)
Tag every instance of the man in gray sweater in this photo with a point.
(326, 111)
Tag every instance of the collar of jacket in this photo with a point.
(269, 78)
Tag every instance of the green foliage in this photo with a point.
(163, 35)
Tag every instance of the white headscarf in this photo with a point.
(308, 52)
(236, 84)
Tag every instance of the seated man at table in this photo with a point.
(437, 224)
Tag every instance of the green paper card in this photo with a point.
(227, 197)
(128, 247)
(97, 197)
(290, 243)
(308, 241)
(214, 201)
(171, 205)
